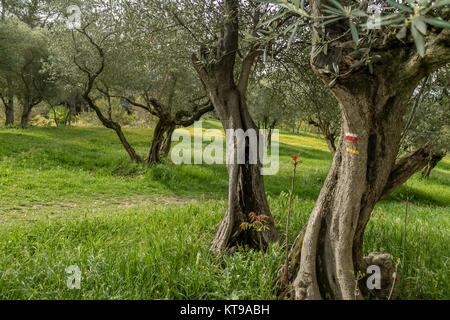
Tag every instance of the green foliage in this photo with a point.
(395, 19)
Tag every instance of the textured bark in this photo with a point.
(432, 163)
(9, 104)
(363, 171)
(332, 245)
(25, 118)
(331, 252)
(167, 144)
(405, 167)
(246, 192)
(157, 142)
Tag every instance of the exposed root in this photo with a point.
(390, 277)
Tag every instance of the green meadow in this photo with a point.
(70, 196)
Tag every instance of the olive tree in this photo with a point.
(372, 72)
(229, 39)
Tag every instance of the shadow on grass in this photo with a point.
(286, 149)
(418, 197)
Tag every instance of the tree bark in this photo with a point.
(246, 192)
(432, 163)
(405, 167)
(216, 67)
(372, 106)
(167, 144)
(162, 128)
(331, 252)
(25, 118)
(362, 172)
(9, 106)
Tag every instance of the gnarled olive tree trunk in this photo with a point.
(167, 144)
(159, 135)
(215, 67)
(327, 256)
(331, 253)
(246, 192)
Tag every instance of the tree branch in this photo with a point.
(246, 69)
(208, 108)
(405, 167)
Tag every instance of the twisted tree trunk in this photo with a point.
(216, 69)
(432, 163)
(161, 129)
(167, 144)
(9, 105)
(246, 192)
(327, 254)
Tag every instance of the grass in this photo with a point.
(69, 196)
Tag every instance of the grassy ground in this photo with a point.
(71, 197)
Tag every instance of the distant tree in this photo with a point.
(6, 71)
(26, 50)
(225, 36)
(18, 44)
(309, 97)
(267, 104)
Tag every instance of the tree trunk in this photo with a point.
(9, 106)
(167, 144)
(328, 252)
(109, 111)
(269, 134)
(327, 256)
(25, 115)
(432, 163)
(331, 143)
(246, 192)
(216, 70)
(134, 157)
(162, 127)
(55, 115)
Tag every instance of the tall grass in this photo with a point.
(70, 197)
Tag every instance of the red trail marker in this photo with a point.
(351, 137)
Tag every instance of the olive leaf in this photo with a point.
(419, 40)
(354, 31)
